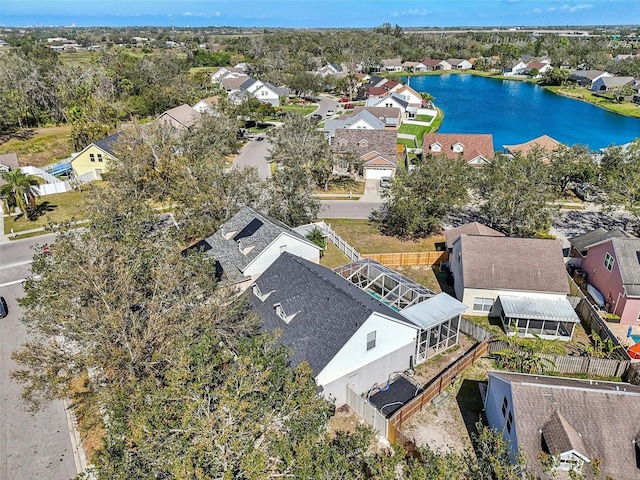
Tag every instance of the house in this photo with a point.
(206, 105)
(249, 242)
(518, 67)
(409, 95)
(377, 150)
(8, 162)
(476, 149)
(459, 64)
(180, 118)
(93, 159)
(390, 117)
(332, 69)
(347, 336)
(612, 263)
(432, 64)
(389, 101)
(540, 67)
(523, 281)
(417, 66)
(543, 143)
(383, 89)
(452, 235)
(362, 120)
(585, 78)
(264, 91)
(575, 422)
(607, 84)
(392, 65)
(227, 72)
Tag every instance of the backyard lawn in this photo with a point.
(333, 257)
(40, 146)
(366, 238)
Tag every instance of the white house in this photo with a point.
(206, 105)
(518, 68)
(347, 336)
(459, 64)
(263, 91)
(521, 280)
(392, 65)
(409, 95)
(392, 100)
(249, 242)
(606, 84)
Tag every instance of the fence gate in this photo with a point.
(367, 412)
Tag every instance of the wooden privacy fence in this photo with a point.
(367, 412)
(434, 387)
(408, 259)
(602, 367)
(342, 245)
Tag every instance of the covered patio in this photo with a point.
(541, 317)
(439, 322)
(384, 283)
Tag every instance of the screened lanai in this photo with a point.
(545, 318)
(385, 284)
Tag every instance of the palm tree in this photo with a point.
(19, 191)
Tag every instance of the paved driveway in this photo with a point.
(254, 155)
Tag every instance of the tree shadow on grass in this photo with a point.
(40, 210)
(470, 405)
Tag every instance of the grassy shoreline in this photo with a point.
(626, 109)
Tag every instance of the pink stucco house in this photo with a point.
(612, 262)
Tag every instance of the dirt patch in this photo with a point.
(344, 420)
(450, 425)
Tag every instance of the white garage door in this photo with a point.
(377, 173)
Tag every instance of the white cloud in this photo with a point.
(413, 12)
(570, 8)
(194, 14)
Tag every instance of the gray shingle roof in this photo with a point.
(472, 228)
(363, 142)
(345, 121)
(328, 309)
(516, 264)
(107, 143)
(183, 114)
(560, 436)
(582, 242)
(606, 416)
(628, 255)
(250, 229)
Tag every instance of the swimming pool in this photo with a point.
(635, 338)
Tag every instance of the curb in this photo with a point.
(76, 440)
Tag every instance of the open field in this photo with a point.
(40, 146)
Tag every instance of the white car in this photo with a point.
(385, 182)
(330, 113)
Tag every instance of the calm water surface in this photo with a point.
(516, 112)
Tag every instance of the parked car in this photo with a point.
(348, 106)
(316, 116)
(385, 182)
(343, 100)
(330, 113)
(4, 310)
(586, 192)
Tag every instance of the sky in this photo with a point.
(318, 13)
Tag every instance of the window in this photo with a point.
(92, 157)
(505, 406)
(609, 261)
(280, 313)
(371, 340)
(100, 157)
(482, 304)
(509, 422)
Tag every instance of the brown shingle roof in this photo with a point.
(544, 142)
(605, 416)
(474, 144)
(184, 115)
(560, 436)
(363, 142)
(516, 264)
(473, 228)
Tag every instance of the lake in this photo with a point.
(516, 112)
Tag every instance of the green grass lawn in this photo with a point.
(407, 142)
(625, 108)
(333, 257)
(40, 146)
(54, 209)
(366, 238)
(343, 185)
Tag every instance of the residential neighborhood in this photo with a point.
(221, 258)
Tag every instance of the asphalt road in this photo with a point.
(347, 209)
(254, 155)
(31, 446)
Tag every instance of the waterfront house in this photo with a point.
(433, 64)
(585, 78)
(392, 65)
(475, 149)
(607, 84)
(459, 64)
